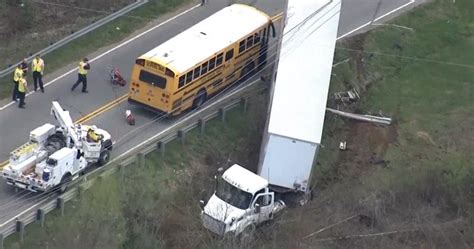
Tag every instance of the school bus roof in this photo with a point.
(207, 37)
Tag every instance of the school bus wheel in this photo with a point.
(200, 99)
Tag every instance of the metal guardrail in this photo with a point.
(137, 154)
(79, 33)
(362, 117)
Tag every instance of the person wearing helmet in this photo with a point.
(92, 136)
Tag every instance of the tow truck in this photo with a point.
(56, 155)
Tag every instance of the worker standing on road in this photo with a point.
(17, 75)
(22, 88)
(24, 66)
(82, 75)
(37, 66)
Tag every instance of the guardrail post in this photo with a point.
(244, 104)
(122, 171)
(141, 159)
(60, 205)
(40, 216)
(20, 228)
(202, 125)
(2, 237)
(182, 136)
(162, 147)
(80, 191)
(222, 112)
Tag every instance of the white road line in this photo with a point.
(376, 19)
(96, 58)
(110, 50)
(184, 119)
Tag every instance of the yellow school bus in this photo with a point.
(184, 71)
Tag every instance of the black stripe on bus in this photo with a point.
(245, 53)
(202, 83)
(207, 81)
(217, 83)
(185, 100)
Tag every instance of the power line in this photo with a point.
(43, 196)
(297, 27)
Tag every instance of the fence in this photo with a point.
(134, 155)
(79, 33)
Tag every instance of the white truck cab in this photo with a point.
(241, 200)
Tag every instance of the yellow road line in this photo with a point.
(277, 17)
(102, 109)
(3, 164)
(90, 116)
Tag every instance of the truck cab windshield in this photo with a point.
(51, 162)
(232, 195)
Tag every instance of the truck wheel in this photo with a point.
(107, 145)
(104, 157)
(200, 99)
(64, 183)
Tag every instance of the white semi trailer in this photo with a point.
(293, 132)
(56, 155)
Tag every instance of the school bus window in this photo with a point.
(189, 77)
(204, 68)
(219, 59)
(152, 79)
(241, 46)
(212, 64)
(229, 55)
(256, 38)
(249, 41)
(197, 72)
(181, 81)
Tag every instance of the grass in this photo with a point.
(430, 95)
(103, 36)
(151, 206)
(423, 80)
(426, 182)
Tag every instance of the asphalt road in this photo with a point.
(15, 124)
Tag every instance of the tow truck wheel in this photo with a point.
(104, 157)
(64, 183)
(107, 145)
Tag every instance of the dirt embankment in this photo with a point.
(29, 26)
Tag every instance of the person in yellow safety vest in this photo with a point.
(17, 75)
(82, 75)
(22, 88)
(24, 66)
(37, 66)
(93, 136)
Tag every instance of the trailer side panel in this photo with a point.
(287, 162)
